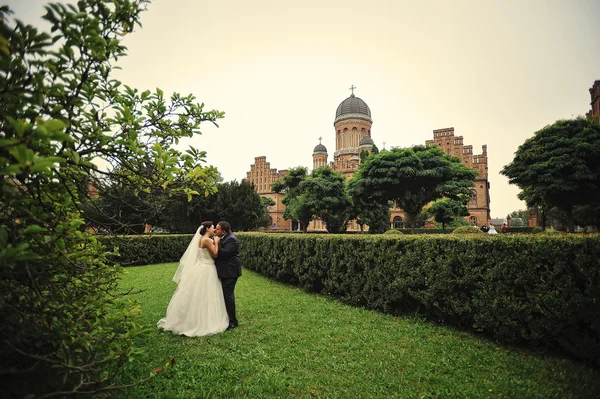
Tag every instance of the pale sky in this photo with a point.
(496, 71)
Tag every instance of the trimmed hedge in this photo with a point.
(147, 249)
(539, 290)
(423, 230)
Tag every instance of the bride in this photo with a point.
(197, 307)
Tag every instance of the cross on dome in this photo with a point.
(352, 88)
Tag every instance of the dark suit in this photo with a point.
(228, 270)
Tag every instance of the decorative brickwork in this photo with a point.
(352, 124)
(595, 101)
(479, 206)
(263, 176)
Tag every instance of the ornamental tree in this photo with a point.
(65, 329)
(325, 193)
(412, 177)
(445, 210)
(559, 167)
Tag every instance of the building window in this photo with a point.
(473, 220)
(473, 200)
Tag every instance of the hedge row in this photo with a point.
(147, 249)
(542, 290)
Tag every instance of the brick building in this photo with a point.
(352, 125)
(594, 113)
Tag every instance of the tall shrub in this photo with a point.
(64, 331)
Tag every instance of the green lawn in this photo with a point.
(291, 344)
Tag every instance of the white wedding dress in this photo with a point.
(197, 307)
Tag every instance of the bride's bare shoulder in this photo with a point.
(204, 242)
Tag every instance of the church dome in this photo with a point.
(366, 141)
(320, 149)
(352, 106)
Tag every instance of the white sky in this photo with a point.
(495, 71)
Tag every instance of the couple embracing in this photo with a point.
(204, 302)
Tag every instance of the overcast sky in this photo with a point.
(496, 71)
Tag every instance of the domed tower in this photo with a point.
(319, 156)
(352, 125)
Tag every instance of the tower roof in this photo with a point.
(320, 148)
(352, 105)
(366, 141)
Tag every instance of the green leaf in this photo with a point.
(34, 228)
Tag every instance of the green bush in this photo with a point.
(147, 249)
(537, 229)
(66, 329)
(423, 230)
(541, 290)
(462, 230)
(393, 231)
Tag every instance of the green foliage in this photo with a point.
(295, 207)
(144, 249)
(412, 177)
(428, 230)
(393, 232)
(376, 216)
(324, 192)
(240, 205)
(446, 210)
(539, 289)
(65, 331)
(462, 230)
(559, 167)
(537, 229)
(122, 212)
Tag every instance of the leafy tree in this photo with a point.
(295, 206)
(376, 216)
(445, 210)
(587, 215)
(235, 202)
(240, 205)
(324, 192)
(413, 177)
(267, 201)
(559, 166)
(65, 331)
(519, 218)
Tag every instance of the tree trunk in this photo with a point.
(571, 220)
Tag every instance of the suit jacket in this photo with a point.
(228, 259)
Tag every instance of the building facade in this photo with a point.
(352, 126)
(594, 113)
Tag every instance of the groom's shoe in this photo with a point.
(231, 327)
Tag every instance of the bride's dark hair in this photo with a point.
(205, 226)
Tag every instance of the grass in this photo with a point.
(292, 344)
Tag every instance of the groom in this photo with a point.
(228, 267)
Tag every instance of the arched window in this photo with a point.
(473, 200)
(398, 224)
(473, 220)
(345, 129)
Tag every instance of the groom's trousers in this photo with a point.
(228, 285)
